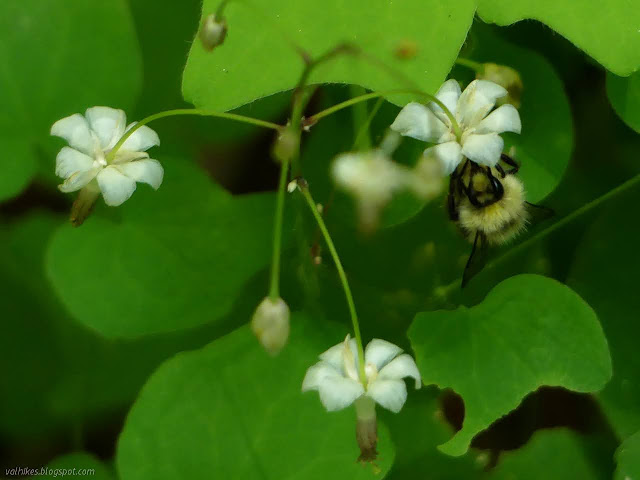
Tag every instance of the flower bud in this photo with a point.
(366, 428)
(506, 77)
(286, 145)
(270, 323)
(213, 32)
(83, 204)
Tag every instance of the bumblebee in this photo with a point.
(488, 205)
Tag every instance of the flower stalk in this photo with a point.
(189, 111)
(304, 189)
(313, 119)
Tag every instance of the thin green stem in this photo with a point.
(363, 140)
(446, 289)
(274, 288)
(473, 65)
(368, 96)
(359, 117)
(189, 111)
(290, 156)
(220, 10)
(303, 187)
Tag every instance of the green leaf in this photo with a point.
(18, 163)
(422, 418)
(75, 465)
(176, 259)
(556, 454)
(256, 61)
(628, 458)
(231, 411)
(624, 95)
(544, 148)
(608, 32)
(50, 48)
(612, 240)
(530, 331)
(62, 375)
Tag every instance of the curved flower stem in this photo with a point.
(292, 132)
(309, 121)
(304, 189)
(362, 139)
(189, 111)
(473, 65)
(274, 287)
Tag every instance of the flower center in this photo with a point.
(371, 372)
(99, 160)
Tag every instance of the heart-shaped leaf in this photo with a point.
(530, 331)
(257, 58)
(606, 31)
(176, 259)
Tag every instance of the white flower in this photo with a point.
(337, 380)
(91, 137)
(372, 178)
(480, 141)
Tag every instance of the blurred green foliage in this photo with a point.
(181, 269)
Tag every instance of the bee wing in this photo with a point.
(539, 213)
(477, 259)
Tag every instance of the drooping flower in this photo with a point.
(338, 382)
(270, 324)
(84, 166)
(480, 139)
(372, 177)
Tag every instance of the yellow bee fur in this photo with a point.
(501, 221)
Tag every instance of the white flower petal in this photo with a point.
(78, 180)
(417, 121)
(148, 171)
(503, 119)
(338, 392)
(401, 367)
(116, 187)
(391, 394)
(107, 123)
(316, 374)
(70, 161)
(476, 102)
(449, 155)
(142, 139)
(483, 149)
(333, 356)
(75, 130)
(380, 352)
(449, 93)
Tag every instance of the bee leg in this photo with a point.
(541, 213)
(511, 162)
(496, 186)
(501, 170)
(470, 192)
(477, 258)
